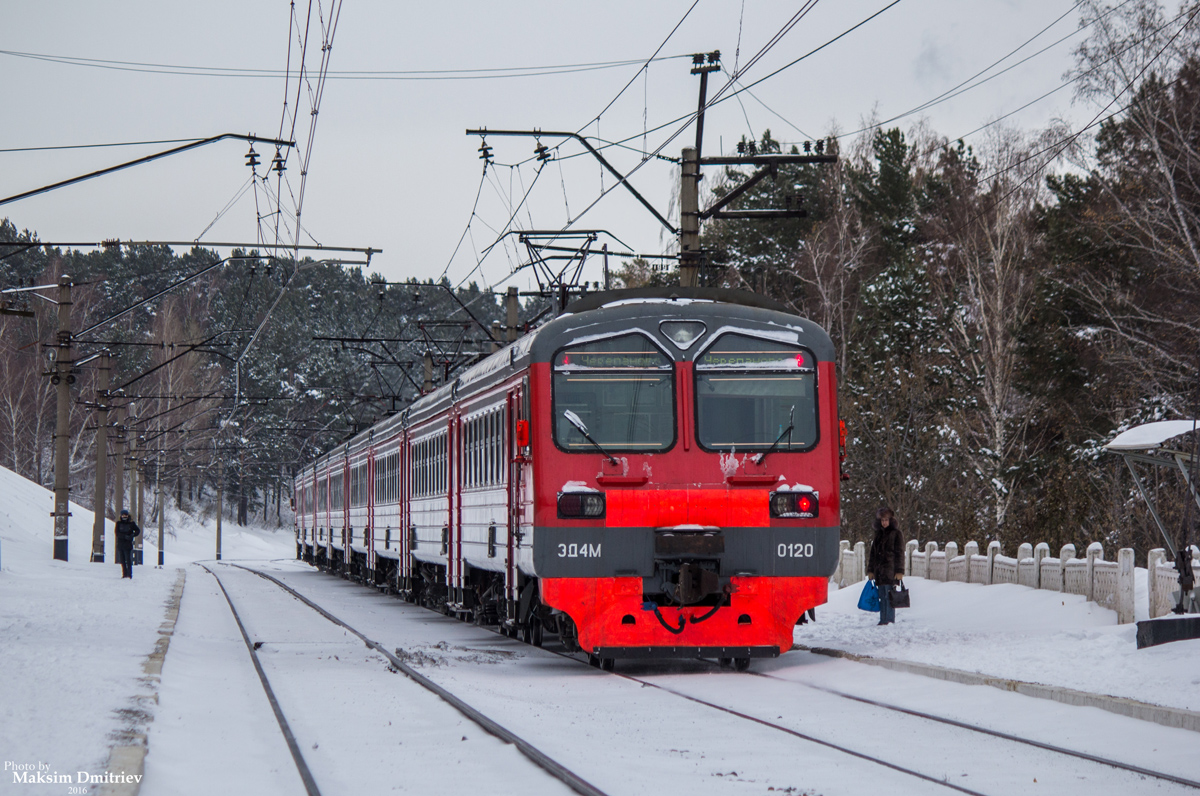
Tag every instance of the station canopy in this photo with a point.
(1150, 435)
(1144, 444)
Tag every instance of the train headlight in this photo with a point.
(581, 505)
(795, 505)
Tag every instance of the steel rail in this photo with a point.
(731, 711)
(1145, 772)
(787, 730)
(864, 700)
(542, 760)
(310, 785)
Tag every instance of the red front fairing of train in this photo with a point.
(697, 511)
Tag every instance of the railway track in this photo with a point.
(1104, 761)
(1145, 772)
(551, 766)
(310, 784)
(1116, 764)
(939, 781)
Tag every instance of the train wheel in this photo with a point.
(535, 632)
(725, 663)
(593, 661)
(741, 664)
(608, 664)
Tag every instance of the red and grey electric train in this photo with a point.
(653, 473)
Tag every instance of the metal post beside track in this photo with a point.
(98, 505)
(61, 377)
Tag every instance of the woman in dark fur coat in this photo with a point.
(885, 563)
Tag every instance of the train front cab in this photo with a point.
(686, 479)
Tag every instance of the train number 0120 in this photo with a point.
(797, 550)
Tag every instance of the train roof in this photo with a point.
(614, 311)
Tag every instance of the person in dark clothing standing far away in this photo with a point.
(885, 563)
(126, 529)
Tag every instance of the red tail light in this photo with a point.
(794, 505)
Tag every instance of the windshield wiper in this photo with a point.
(787, 432)
(574, 420)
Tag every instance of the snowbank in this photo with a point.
(73, 635)
(1018, 633)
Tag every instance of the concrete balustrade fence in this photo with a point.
(1107, 583)
(1163, 580)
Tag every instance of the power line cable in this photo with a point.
(816, 50)
(326, 49)
(484, 254)
(482, 73)
(1078, 77)
(776, 113)
(596, 120)
(644, 66)
(98, 146)
(470, 218)
(787, 27)
(1062, 144)
(746, 116)
(327, 37)
(772, 42)
(968, 85)
(238, 194)
(717, 98)
(737, 52)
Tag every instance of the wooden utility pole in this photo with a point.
(119, 473)
(220, 502)
(690, 258)
(139, 475)
(689, 219)
(512, 308)
(162, 505)
(61, 378)
(427, 386)
(101, 500)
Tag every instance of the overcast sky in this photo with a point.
(390, 166)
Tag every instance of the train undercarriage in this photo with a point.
(621, 617)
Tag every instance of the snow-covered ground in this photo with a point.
(1017, 633)
(187, 539)
(74, 635)
(626, 738)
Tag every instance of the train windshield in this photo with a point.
(753, 393)
(622, 388)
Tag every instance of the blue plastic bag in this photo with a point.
(869, 599)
